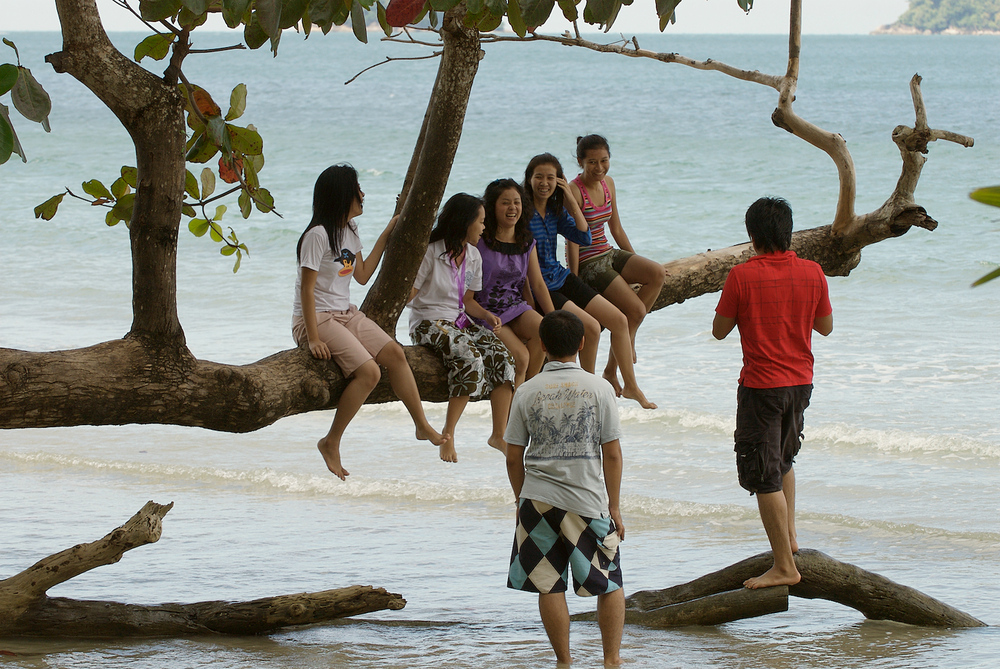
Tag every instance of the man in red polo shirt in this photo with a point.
(776, 299)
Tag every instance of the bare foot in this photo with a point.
(633, 393)
(497, 443)
(612, 378)
(331, 454)
(447, 450)
(794, 543)
(772, 577)
(428, 433)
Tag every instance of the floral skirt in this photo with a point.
(476, 359)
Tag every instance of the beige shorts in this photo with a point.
(353, 338)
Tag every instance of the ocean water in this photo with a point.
(898, 474)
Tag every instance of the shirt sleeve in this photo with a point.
(474, 275)
(517, 432)
(314, 247)
(824, 308)
(611, 428)
(567, 228)
(729, 301)
(424, 270)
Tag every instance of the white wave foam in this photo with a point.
(900, 441)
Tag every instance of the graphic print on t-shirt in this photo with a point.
(347, 260)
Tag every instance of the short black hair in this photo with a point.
(769, 224)
(561, 333)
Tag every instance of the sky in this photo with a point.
(693, 16)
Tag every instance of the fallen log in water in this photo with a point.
(720, 596)
(26, 610)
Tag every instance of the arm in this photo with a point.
(515, 468)
(823, 324)
(611, 455)
(317, 347)
(573, 257)
(537, 283)
(476, 310)
(573, 200)
(615, 223)
(363, 270)
(722, 326)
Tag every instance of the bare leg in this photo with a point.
(788, 488)
(456, 405)
(555, 618)
(518, 350)
(401, 378)
(362, 382)
(620, 294)
(610, 317)
(774, 515)
(525, 327)
(611, 620)
(592, 337)
(650, 274)
(500, 408)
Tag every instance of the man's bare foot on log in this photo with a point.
(773, 577)
(330, 451)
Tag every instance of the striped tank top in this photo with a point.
(596, 218)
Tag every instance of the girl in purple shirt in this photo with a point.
(512, 280)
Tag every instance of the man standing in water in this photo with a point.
(564, 520)
(777, 299)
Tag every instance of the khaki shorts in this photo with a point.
(353, 338)
(598, 272)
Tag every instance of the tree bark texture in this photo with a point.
(878, 598)
(25, 609)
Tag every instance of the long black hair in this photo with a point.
(584, 144)
(335, 191)
(458, 213)
(522, 235)
(555, 202)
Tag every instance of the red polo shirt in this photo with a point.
(775, 297)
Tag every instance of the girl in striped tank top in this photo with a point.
(609, 270)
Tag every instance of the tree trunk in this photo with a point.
(720, 596)
(25, 609)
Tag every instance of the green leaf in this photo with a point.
(568, 8)
(292, 12)
(155, 46)
(490, 23)
(123, 207)
(129, 174)
(515, 19)
(474, 6)
(382, 22)
(990, 195)
(269, 16)
(198, 227)
(253, 34)
(358, 23)
(157, 10)
(665, 8)
(615, 8)
(217, 132)
(233, 11)
(598, 11)
(6, 140)
(47, 209)
(246, 207)
(535, 12)
(443, 5)
(30, 98)
(8, 77)
(321, 13)
(239, 258)
(11, 45)
(264, 201)
(227, 250)
(196, 6)
(15, 143)
(188, 211)
(220, 211)
(745, 5)
(988, 277)
(237, 102)
(207, 182)
(214, 231)
(119, 188)
(191, 185)
(497, 7)
(189, 20)
(96, 190)
(201, 150)
(111, 220)
(245, 141)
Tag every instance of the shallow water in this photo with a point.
(898, 474)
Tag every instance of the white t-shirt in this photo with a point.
(334, 272)
(437, 282)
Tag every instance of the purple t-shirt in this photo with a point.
(504, 275)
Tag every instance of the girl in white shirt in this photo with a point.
(329, 254)
(478, 363)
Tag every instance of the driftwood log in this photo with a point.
(26, 610)
(720, 597)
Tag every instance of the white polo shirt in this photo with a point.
(437, 284)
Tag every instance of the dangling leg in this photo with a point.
(361, 384)
(610, 317)
(403, 384)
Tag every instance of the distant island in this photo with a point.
(946, 17)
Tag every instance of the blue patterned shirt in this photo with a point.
(544, 231)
